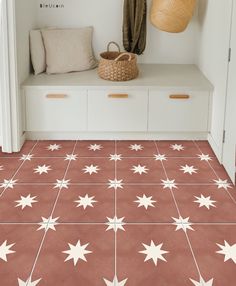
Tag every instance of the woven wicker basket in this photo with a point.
(172, 16)
(117, 66)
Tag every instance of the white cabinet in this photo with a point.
(118, 110)
(181, 111)
(81, 105)
(56, 110)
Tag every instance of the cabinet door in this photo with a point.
(178, 111)
(56, 110)
(117, 110)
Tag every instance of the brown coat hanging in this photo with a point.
(135, 26)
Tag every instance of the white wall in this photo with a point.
(106, 18)
(0, 76)
(214, 35)
(25, 21)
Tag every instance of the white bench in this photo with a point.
(164, 102)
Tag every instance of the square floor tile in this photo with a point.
(26, 148)
(53, 148)
(206, 241)
(168, 257)
(205, 204)
(136, 148)
(219, 169)
(42, 170)
(91, 170)
(19, 245)
(232, 193)
(140, 170)
(27, 203)
(77, 266)
(189, 170)
(146, 204)
(205, 148)
(95, 148)
(90, 203)
(178, 148)
(8, 167)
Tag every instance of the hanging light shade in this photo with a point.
(172, 16)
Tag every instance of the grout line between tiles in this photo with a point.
(231, 197)
(18, 169)
(115, 235)
(124, 184)
(126, 223)
(48, 222)
(178, 210)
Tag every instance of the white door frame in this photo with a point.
(229, 146)
(9, 109)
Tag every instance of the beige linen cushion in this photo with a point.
(69, 50)
(37, 50)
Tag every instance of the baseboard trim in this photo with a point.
(217, 150)
(115, 136)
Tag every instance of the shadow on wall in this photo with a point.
(202, 11)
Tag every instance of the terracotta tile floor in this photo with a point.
(128, 213)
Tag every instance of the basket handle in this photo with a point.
(124, 54)
(114, 43)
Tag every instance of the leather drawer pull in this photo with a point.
(179, 96)
(118, 95)
(56, 96)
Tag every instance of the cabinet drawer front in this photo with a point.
(57, 110)
(117, 110)
(178, 111)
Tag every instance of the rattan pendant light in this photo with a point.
(172, 16)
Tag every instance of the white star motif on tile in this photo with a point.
(5, 250)
(202, 282)
(188, 169)
(182, 223)
(71, 157)
(62, 184)
(145, 202)
(115, 157)
(48, 223)
(140, 169)
(160, 157)
(136, 147)
(85, 201)
(177, 147)
(205, 202)
(228, 251)
(26, 157)
(115, 184)
(77, 252)
(115, 224)
(115, 282)
(42, 169)
(153, 252)
(54, 147)
(169, 184)
(26, 202)
(28, 282)
(205, 157)
(8, 184)
(1, 168)
(95, 147)
(91, 169)
(222, 184)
